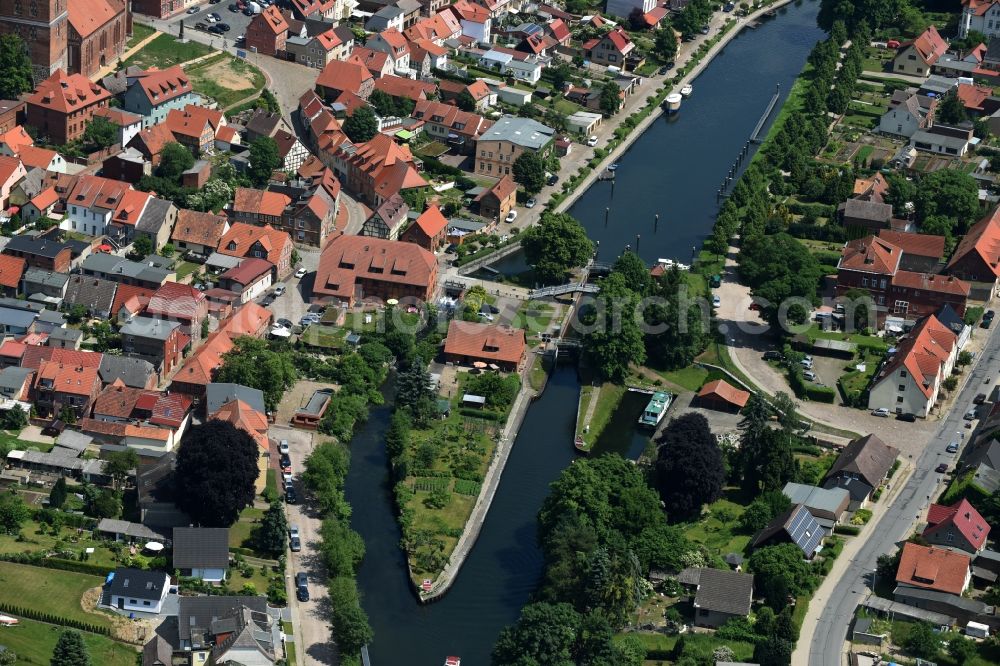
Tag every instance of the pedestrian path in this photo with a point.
(110, 69)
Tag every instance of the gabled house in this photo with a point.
(137, 590)
(388, 219)
(316, 51)
(202, 552)
(400, 88)
(153, 94)
(92, 204)
(128, 124)
(376, 169)
(94, 294)
(861, 467)
(497, 201)
(250, 279)
(827, 505)
(613, 49)
(352, 268)
(41, 252)
(981, 16)
(429, 231)
(11, 271)
(267, 31)
(198, 233)
(253, 422)
(721, 595)
(909, 382)
(958, 526)
(158, 341)
(393, 43)
(61, 386)
(450, 125)
(339, 77)
(426, 56)
(916, 57)
(379, 63)
(195, 126)
(484, 97)
(933, 568)
(907, 117)
(290, 150)
(797, 526)
(500, 146)
(265, 123)
(12, 172)
(475, 20)
(179, 303)
(63, 104)
(150, 142)
(266, 242)
(977, 257)
(468, 343)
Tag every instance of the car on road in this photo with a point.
(716, 301)
(553, 179)
(194, 10)
(980, 398)
(942, 468)
(909, 418)
(969, 415)
(279, 290)
(988, 318)
(286, 463)
(295, 544)
(301, 273)
(290, 496)
(267, 300)
(293, 532)
(511, 216)
(705, 30)
(301, 587)
(592, 141)
(530, 203)
(283, 447)
(952, 448)
(881, 411)
(286, 478)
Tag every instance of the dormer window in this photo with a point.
(232, 246)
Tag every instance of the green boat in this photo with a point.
(656, 409)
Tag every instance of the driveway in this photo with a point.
(295, 301)
(311, 618)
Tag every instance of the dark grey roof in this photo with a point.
(154, 216)
(52, 317)
(157, 652)
(858, 489)
(523, 132)
(993, 49)
(689, 576)
(65, 334)
(42, 247)
(149, 328)
(947, 316)
(12, 378)
(17, 318)
(953, 600)
(724, 591)
(344, 33)
(17, 304)
(201, 547)
(138, 584)
(94, 293)
(249, 629)
(217, 395)
(868, 456)
(264, 123)
(71, 439)
(827, 500)
(109, 264)
(134, 372)
(867, 210)
(984, 453)
(987, 478)
(45, 277)
(196, 614)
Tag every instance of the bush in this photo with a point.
(50, 618)
(820, 393)
(851, 530)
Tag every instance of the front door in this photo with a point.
(121, 603)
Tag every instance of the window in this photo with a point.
(899, 398)
(902, 373)
(902, 387)
(146, 603)
(864, 282)
(883, 283)
(881, 300)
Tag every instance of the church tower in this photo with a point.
(43, 26)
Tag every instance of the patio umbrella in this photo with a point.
(154, 546)
(479, 364)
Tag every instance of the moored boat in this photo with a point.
(687, 90)
(452, 661)
(656, 409)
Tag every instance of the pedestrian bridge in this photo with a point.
(558, 290)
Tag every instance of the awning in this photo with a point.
(405, 135)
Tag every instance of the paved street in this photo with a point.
(295, 301)
(311, 618)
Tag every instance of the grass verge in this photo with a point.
(33, 643)
(49, 591)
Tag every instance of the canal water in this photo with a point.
(675, 170)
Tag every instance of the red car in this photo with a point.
(942, 468)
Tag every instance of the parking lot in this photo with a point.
(294, 303)
(236, 21)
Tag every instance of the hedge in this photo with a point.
(38, 560)
(820, 393)
(50, 618)
(481, 414)
(817, 209)
(852, 530)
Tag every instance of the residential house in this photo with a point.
(980, 16)
(12, 172)
(265, 123)
(316, 51)
(306, 209)
(522, 66)
(379, 63)
(141, 214)
(497, 201)
(65, 338)
(873, 264)
(977, 100)
(827, 505)
(943, 140)
(219, 394)
(11, 270)
(500, 146)
(126, 272)
(41, 252)
(861, 467)
(250, 279)
(400, 88)
(93, 294)
(137, 590)
(92, 203)
(388, 219)
(267, 32)
(429, 231)
(339, 77)
(385, 18)
(916, 57)
(864, 216)
(222, 629)
(179, 303)
(150, 141)
(611, 50)
(450, 125)
(195, 127)
(116, 402)
(958, 527)
(721, 595)
(722, 396)
(797, 526)
(475, 20)
(426, 56)
(134, 372)
(41, 205)
(15, 383)
(155, 92)
(909, 116)
(266, 242)
(376, 170)
(291, 151)
(202, 552)
(253, 422)
(922, 253)
(13, 138)
(353, 268)
(471, 342)
(34, 157)
(977, 257)
(63, 104)
(128, 124)
(484, 97)
(438, 28)
(392, 42)
(61, 386)
(158, 341)
(909, 382)
(38, 282)
(932, 568)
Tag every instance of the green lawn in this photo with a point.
(33, 643)
(239, 533)
(718, 532)
(327, 337)
(10, 442)
(185, 268)
(608, 398)
(165, 51)
(49, 591)
(691, 378)
(533, 317)
(227, 80)
(139, 33)
(696, 645)
(32, 541)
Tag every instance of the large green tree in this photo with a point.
(100, 132)
(689, 468)
(951, 110)
(361, 125)
(949, 193)
(264, 160)
(678, 323)
(213, 494)
(13, 512)
(529, 172)
(610, 99)
(555, 245)
(781, 567)
(272, 533)
(665, 42)
(175, 159)
(70, 650)
(544, 634)
(252, 363)
(15, 67)
(778, 267)
(614, 339)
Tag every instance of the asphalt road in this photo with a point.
(895, 524)
(237, 22)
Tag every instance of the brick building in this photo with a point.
(353, 268)
(63, 104)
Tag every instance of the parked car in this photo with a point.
(194, 10)
(810, 375)
(980, 398)
(284, 323)
(293, 532)
(592, 141)
(486, 316)
(224, 27)
(286, 463)
(952, 448)
(286, 478)
(881, 411)
(301, 587)
(295, 544)
(716, 301)
(301, 273)
(216, 29)
(773, 355)
(233, 7)
(989, 314)
(290, 496)
(211, 19)
(511, 216)
(530, 203)
(553, 179)
(909, 418)
(279, 290)
(705, 30)
(216, 15)
(969, 415)
(806, 363)
(201, 25)
(942, 468)
(283, 447)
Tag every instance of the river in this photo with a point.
(674, 169)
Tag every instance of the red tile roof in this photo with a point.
(933, 568)
(876, 185)
(67, 93)
(68, 378)
(559, 29)
(13, 349)
(117, 400)
(431, 221)
(35, 356)
(16, 138)
(126, 292)
(272, 20)
(131, 207)
(919, 245)
(346, 259)
(161, 86)
(87, 16)
(397, 86)
(979, 7)
(241, 237)
(154, 137)
(942, 284)
(170, 409)
(871, 255)
(175, 300)
(374, 61)
(197, 227)
(46, 198)
(248, 270)
(119, 117)
(191, 121)
(39, 158)
(11, 270)
(241, 415)
(470, 11)
(963, 517)
(973, 96)
(929, 45)
(250, 319)
(923, 353)
(9, 168)
(983, 238)
(97, 192)
(486, 342)
(394, 38)
(723, 390)
(250, 201)
(343, 76)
